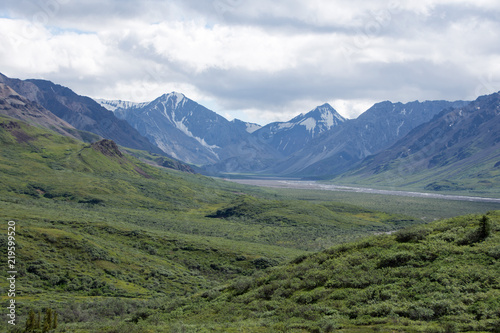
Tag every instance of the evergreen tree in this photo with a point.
(485, 227)
(47, 323)
(30, 322)
(54, 326)
(38, 321)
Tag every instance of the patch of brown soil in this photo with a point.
(16, 131)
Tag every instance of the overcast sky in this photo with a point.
(259, 61)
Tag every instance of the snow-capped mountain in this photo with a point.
(113, 105)
(249, 127)
(374, 130)
(320, 142)
(183, 128)
(291, 136)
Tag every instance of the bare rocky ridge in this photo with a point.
(376, 129)
(457, 146)
(16, 106)
(107, 147)
(83, 113)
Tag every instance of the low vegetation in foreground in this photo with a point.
(441, 277)
(113, 244)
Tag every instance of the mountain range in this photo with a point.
(318, 144)
(459, 149)
(377, 128)
(183, 128)
(83, 113)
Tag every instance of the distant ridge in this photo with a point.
(183, 128)
(459, 149)
(377, 128)
(293, 135)
(81, 112)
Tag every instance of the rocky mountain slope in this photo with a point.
(291, 136)
(81, 112)
(187, 130)
(14, 105)
(458, 149)
(380, 126)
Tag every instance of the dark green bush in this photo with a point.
(412, 234)
(396, 259)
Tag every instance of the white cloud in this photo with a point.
(200, 47)
(34, 49)
(262, 60)
(353, 107)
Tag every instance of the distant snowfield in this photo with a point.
(312, 185)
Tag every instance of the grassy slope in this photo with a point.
(442, 277)
(91, 226)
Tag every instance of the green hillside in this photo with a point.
(442, 277)
(478, 175)
(102, 237)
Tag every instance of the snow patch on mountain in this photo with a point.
(177, 98)
(182, 127)
(252, 127)
(281, 126)
(399, 127)
(309, 123)
(113, 105)
(328, 119)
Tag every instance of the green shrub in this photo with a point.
(263, 263)
(396, 259)
(412, 234)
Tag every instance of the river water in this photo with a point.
(313, 185)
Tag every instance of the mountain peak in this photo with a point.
(176, 94)
(175, 97)
(324, 114)
(326, 105)
(291, 136)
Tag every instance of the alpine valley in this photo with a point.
(320, 143)
(116, 224)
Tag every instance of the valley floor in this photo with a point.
(314, 185)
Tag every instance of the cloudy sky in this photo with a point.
(257, 60)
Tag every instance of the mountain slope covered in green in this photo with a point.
(441, 277)
(102, 236)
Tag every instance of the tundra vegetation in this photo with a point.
(107, 242)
